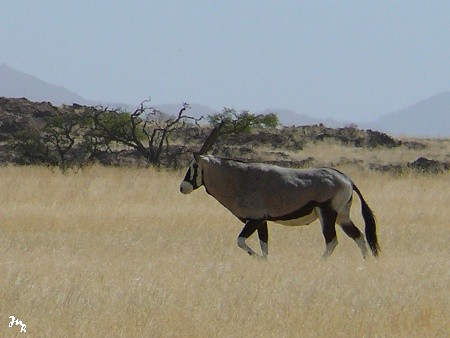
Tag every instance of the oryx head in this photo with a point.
(194, 176)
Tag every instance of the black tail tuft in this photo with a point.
(371, 226)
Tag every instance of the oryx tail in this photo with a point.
(369, 220)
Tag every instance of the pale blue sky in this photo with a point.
(353, 60)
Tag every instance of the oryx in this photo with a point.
(256, 193)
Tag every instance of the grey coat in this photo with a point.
(263, 191)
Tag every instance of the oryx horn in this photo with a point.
(212, 138)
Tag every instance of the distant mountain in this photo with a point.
(430, 117)
(17, 84)
(289, 117)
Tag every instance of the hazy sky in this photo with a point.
(353, 60)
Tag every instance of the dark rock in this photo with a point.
(376, 138)
(424, 165)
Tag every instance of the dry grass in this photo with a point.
(120, 252)
(331, 152)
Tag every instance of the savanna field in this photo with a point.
(106, 252)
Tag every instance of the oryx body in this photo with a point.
(256, 193)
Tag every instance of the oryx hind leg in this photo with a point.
(248, 230)
(350, 229)
(328, 217)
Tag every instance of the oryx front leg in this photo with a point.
(263, 235)
(250, 227)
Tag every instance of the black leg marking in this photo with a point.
(263, 235)
(328, 218)
(328, 223)
(351, 230)
(248, 230)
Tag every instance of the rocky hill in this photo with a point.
(41, 133)
(429, 117)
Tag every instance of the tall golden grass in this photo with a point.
(331, 152)
(120, 252)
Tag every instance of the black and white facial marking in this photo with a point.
(193, 179)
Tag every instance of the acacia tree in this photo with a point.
(76, 135)
(28, 143)
(60, 134)
(146, 130)
(233, 122)
(60, 141)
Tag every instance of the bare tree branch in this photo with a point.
(145, 125)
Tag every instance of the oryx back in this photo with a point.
(262, 191)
